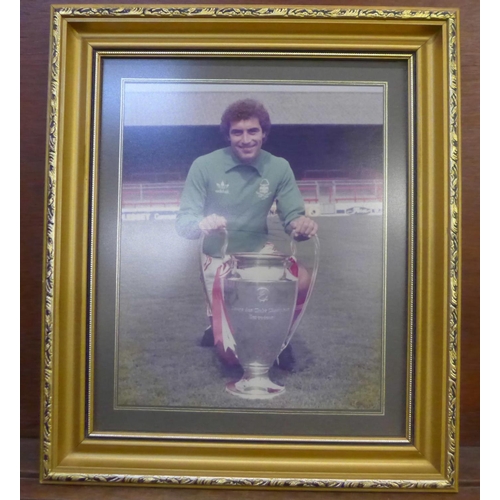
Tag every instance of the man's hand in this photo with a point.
(212, 223)
(303, 228)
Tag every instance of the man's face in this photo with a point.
(246, 139)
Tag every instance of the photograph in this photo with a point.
(251, 256)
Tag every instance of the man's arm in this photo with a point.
(291, 210)
(191, 222)
(193, 198)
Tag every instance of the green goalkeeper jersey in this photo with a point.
(218, 183)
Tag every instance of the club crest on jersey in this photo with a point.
(263, 192)
(222, 187)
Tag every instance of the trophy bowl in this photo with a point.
(259, 299)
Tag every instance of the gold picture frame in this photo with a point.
(426, 457)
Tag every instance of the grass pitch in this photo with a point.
(338, 345)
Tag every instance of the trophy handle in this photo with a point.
(309, 291)
(223, 250)
(225, 243)
(293, 247)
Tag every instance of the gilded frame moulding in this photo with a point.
(432, 37)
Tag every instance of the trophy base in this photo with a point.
(259, 387)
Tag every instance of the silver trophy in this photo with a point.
(260, 295)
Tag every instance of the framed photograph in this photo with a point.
(252, 248)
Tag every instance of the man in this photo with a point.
(233, 189)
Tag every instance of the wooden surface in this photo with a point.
(35, 29)
(31, 489)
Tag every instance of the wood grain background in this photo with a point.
(35, 29)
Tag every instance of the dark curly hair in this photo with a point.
(244, 110)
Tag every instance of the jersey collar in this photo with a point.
(233, 161)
